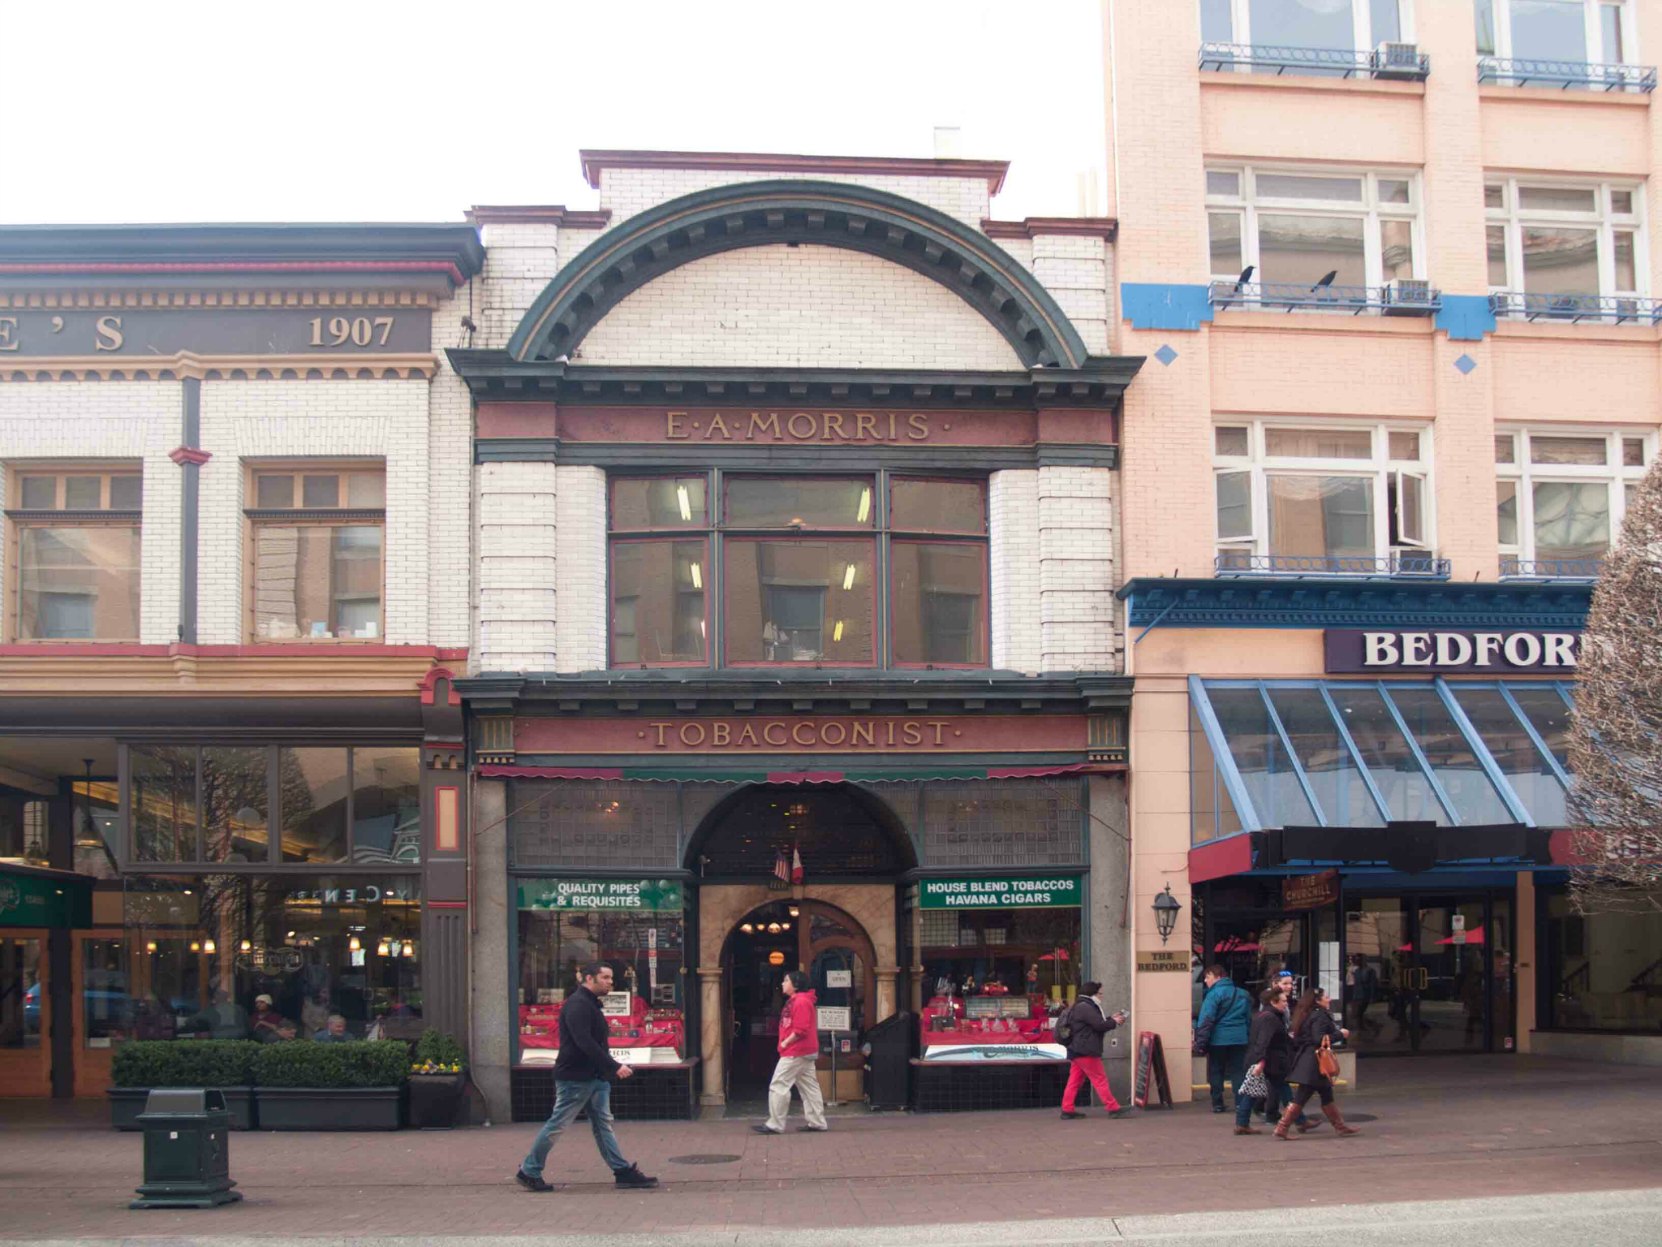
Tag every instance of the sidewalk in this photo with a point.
(1435, 1129)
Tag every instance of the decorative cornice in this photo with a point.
(829, 214)
(1288, 603)
(1104, 227)
(189, 454)
(218, 368)
(496, 374)
(990, 171)
(538, 214)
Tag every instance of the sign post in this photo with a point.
(832, 1019)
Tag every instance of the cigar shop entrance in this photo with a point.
(796, 877)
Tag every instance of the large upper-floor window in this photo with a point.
(317, 551)
(1322, 498)
(846, 571)
(1562, 494)
(1312, 230)
(74, 553)
(1587, 31)
(1335, 25)
(1558, 246)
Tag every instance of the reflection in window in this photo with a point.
(1265, 768)
(1514, 753)
(1559, 241)
(77, 583)
(1328, 766)
(235, 797)
(939, 603)
(162, 796)
(386, 805)
(1396, 773)
(312, 786)
(1470, 790)
(1563, 496)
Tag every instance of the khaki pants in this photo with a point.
(798, 1072)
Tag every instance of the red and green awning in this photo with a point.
(762, 776)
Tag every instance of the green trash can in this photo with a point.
(187, 1161)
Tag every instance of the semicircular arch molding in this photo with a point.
(752, 214)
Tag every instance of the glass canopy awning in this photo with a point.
(1340, 753)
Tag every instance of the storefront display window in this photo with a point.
(636, 926)
(201, 951)
(1602, 972)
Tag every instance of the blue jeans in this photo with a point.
(569, 1100)
(1228, 1060)
(1245, 1106)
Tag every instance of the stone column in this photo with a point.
(493, 1007)
(712, 1049)
(885, 993)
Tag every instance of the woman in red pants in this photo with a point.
(1089, 1022)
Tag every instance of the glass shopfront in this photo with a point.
(1600, 972)
(263, 957)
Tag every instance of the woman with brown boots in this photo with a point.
(1314, 1031)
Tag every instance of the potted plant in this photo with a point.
(143, 1064)
(358, 1085)
(438, 1081)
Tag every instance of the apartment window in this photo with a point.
(1560, 244)
(866, 570)
(1312, 229)
(318, 552)
(74, 545)
(1561, 495)
(1310, 497)
(1336, 25)
(1596, 32)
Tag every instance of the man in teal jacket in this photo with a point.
(1221, 1032)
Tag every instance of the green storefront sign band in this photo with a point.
(1009, 892)
(576, 894)
(26, 901)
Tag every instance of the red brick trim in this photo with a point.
(992, 171)
(1105, 227)
(189, 454)
(538, 214)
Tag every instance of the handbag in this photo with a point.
(1254, 1086)
(1326, 1062)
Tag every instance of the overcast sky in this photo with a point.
(355, 111)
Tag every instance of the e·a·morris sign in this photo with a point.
(1451, 650)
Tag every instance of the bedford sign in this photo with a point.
(1467, 650)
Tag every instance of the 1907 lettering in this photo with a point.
(356, 330)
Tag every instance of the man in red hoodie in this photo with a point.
(798, 1054)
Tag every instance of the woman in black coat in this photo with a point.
(1312, 1022)
(1270, 1053)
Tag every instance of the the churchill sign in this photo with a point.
(1448, 650)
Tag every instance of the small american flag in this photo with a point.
(781, 868)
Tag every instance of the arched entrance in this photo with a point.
(854, 852)
(830, 946)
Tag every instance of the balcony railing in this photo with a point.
(1415, 298)
(1390, 61)
(1550, 569)
(1512, 71)
(1332, 566)
(1615, 309)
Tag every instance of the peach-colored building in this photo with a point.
(1393, 260)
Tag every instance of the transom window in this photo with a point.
(1562, 494)
(74, 547)
(1335, 25)
(847, 571)
(1312, 229)
(1588, 31)
(1556, 242)
(1309, 498)
(317, 551)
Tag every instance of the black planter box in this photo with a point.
(436, 1100)
(126, 1103)
(331, 1108)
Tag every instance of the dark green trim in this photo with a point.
(792, 457)
(457, 244)
(751, 214)
(495, 374)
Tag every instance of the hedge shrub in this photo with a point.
(438, 1053)
(185, 1063)
(357, 1063)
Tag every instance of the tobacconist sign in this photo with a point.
(762, 734)
(1008, 892)
(580, 894)
(1473, 650)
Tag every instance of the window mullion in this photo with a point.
(714, 607)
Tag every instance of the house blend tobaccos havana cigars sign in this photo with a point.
(1009, 892)
(1451, 650)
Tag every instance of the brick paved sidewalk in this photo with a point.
(1435, 1128)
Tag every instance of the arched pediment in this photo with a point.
(828, 214)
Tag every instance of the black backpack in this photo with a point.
(1064, 1026)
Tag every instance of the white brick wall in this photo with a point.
(1013, 521)
(449, 484)
(517, 566)
(629, 191)
(134, 420)
(383, 419)
(580, 632)
(802, 307)
(1076, 570)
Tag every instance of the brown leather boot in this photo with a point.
(1287, 1119)
(1248, 1130)
(1331, 1112)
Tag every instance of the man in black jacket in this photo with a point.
(582, 1074)
(1090, 1023)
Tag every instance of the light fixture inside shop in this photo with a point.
(848, 577)
(149, 946)
(355, 944)
(795, 912)
(209, 946)
(865, 505)
(196, 946)
(684, 501)
(409, 949)
(383, 948)
(773, 928)
(837, 632)
(697, 573)
(246, 946)
(746, 927)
